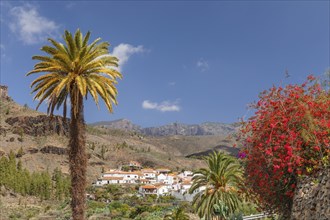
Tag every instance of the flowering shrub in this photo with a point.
(288, 136)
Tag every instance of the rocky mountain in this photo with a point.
(208, 128)
(121, 124)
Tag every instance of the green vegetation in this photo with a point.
(221, 179)
(41, 184)
(122, 202)
(177, 214)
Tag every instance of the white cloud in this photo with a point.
(124, 51)
(165, 106)
(202, 64)
(29, 25)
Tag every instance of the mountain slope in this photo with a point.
(208, 128)
(40, 142)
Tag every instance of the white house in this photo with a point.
(161, 178)
(158, 190)
(109, 180)
(175, 186)
(162, 190)
(171, 178)
(186, 175)
(119, 177)
(149, 173)
(185, 186)
(146, 181)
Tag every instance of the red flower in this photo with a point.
(289, 129)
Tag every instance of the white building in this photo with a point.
(119, 177)
(172, 178)
(155, 182)
(161, 178)
(109, 180)
(175, 186)
(186, 175)
(149, 174)
(158, 189)
(185, 186)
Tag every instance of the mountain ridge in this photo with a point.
(175, 128)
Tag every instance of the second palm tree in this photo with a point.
(218, 187)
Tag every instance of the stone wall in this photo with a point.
(312, 198)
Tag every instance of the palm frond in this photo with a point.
(221, 180)
(75, 69)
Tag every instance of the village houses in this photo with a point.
(158, 182)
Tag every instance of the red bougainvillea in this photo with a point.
(288, 136)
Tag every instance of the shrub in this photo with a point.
(288, 136)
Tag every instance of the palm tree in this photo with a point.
(74, 70)
(217, 187)
(177, 214)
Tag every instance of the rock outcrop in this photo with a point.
(53, 150)
(312, 198)
(49, 149)
(4, 92)
(39, 125)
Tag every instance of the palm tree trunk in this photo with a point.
(78, 160)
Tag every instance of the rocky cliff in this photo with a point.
(38, 125)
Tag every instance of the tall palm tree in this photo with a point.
(177, 214)
(218, 186)
(73, 71)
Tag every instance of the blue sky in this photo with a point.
(184, 61)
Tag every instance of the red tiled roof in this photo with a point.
(186, 183)
(148, 187)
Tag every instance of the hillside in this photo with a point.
(43, 142)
